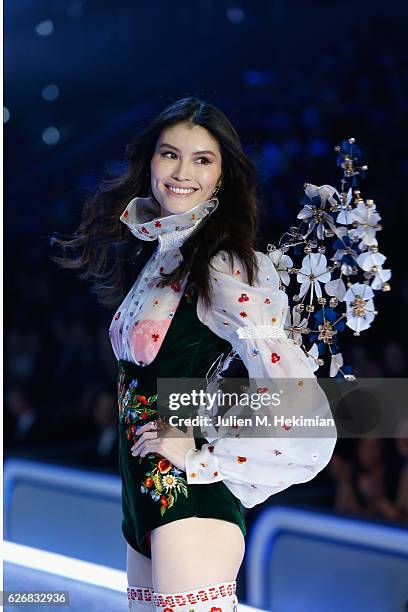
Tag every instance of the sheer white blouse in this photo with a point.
(252, 319)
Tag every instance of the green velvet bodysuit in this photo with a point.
(154, 492)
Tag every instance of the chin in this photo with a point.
(176, 204)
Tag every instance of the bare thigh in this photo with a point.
(139, 568)
(193, 552)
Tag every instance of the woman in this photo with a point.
(203, 290)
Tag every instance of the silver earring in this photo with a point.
(216, 190)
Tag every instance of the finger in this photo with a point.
(147, 435)
(148, 447)
(145, 427)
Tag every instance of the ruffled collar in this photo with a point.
(141, 215)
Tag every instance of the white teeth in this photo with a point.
(180, 190)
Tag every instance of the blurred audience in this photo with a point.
(366, 485)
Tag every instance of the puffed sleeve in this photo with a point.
(252, 319)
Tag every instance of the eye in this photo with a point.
(207, 161)
(167, 152)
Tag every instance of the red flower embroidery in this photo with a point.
(157, 224)
(142, 399)
(148, 482)
(213, 609)
(241, 459)
(144, 415)
(126, 213)
(193, 217)
(155, 337)
(161, 268)
(211, 448)
(164, 466)
(117, 316)
(243, 313)
(175, 286)
(238, 272)
(287, 427)
(145, 230)
(168, 610)
(163, 501)
(243, 298)
(215, 473)
(275, 357)
(267, 301)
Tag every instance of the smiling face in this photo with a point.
(185, 168)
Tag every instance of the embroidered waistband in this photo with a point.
(139, 593)
(194, 596)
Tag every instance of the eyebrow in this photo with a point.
(166, 144)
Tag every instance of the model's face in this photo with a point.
(186, 157)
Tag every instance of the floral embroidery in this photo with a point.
(157, 224)
(133, 408)
(243, 313)
(267, 301)
(275, 357)
(163, 482)
(244, 298)
(241, 459)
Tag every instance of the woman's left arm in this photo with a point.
(251, 318)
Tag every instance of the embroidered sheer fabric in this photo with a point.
(252, 320)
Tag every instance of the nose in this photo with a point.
(181, 171)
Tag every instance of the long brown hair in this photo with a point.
(103, 246)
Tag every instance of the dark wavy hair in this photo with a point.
(104, 248)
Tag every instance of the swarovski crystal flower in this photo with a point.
(360, 306)
(367, 218)
(344, 215)
(281, 262)
(312, 273)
